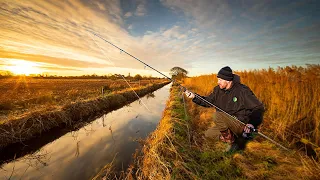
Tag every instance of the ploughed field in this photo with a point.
(20, 96)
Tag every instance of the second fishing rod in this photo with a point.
(184, 89)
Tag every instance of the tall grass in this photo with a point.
(176, 150)
(291, 96)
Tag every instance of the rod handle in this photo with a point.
(183, 88)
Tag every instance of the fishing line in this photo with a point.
(196, 95)
(184, 104)
(102, 51)
(131, 56)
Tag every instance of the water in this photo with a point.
(81, 154)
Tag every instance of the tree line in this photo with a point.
(8, 74)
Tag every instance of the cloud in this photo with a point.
(205, 13)
(249, 31)
(56, 33)
(48, 60)
(55, 69)
(141, 8)
(128, 14)
(100, 5)
(111, 7)
(174, 32)
(43, 32)
(207, 32)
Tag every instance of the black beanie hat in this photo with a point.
(225, 73)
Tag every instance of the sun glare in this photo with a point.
(20, 67)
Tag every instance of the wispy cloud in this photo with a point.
(63, 62)
(204, 32)
(262, 32)
(205, 13)
(141, 8)
(55, 32)
(128, 14)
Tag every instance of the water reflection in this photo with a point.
(81, 154)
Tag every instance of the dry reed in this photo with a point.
(176, 149)
(291, 96)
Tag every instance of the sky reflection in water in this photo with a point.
(81, 154)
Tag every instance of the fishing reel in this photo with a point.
(183, 89)
(250, 135)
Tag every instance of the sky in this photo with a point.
(201, 36)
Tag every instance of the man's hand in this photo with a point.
(183, 89)
(189, 94)
(248, 128)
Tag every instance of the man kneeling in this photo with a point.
(236, 99)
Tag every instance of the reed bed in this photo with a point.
(291, 96)
(177, 150)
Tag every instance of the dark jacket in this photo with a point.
(238, 101)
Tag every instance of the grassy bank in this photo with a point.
(177, 150)
(32, 124)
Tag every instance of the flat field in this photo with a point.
(24, 95)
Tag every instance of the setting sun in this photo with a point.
(20, 67)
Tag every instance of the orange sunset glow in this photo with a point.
(20, 67)
(159, 89)
(164, 34)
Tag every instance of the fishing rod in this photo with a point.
(184, 89)
(131, 56)
(252, 129)
(102, 51)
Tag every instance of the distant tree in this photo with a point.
(8, 73)
(137, 77)
(129, 77)
(112, 77)
(94, 75)
(178, 73)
